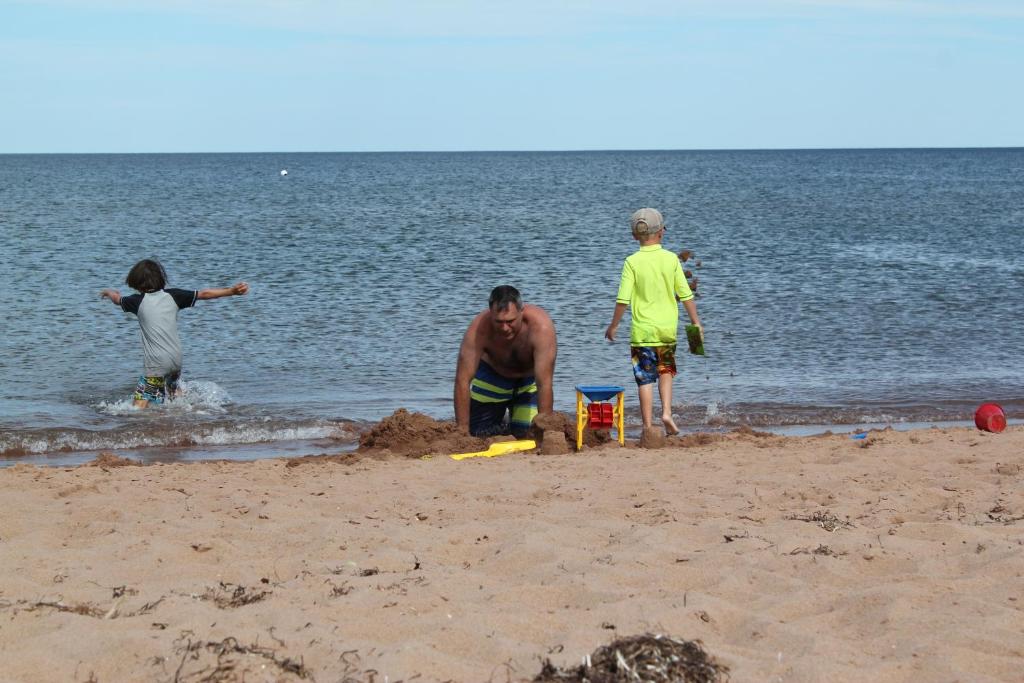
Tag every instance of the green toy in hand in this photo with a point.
(695, 340)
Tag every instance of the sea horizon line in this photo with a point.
(534, 151)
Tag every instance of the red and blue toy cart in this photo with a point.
(600, 413)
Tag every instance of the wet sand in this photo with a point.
(898, 557)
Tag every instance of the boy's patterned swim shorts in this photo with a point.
(156, 389)
(651, 361)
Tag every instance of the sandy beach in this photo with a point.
(897, 557)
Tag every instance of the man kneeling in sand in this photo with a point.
(506, 364)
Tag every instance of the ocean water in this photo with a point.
(837, 288)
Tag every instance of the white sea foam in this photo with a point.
(124, 406)
(202, 395)
(880, 418)
(198, 418)
(196, 435)
(254, 434)
(199, 396)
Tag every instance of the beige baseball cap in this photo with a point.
(646, 222)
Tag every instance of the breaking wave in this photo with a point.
(199, 397)
(222, 433)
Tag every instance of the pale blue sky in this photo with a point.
(384, 75)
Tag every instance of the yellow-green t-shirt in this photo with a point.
(652, 278)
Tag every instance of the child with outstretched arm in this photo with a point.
(651, 285)
(157, 310)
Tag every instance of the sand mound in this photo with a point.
(107, 459)
(744, 430)
(413, 435)
(555, 422)
(648, 658)
(338, 458)
(566, 423)
(698, 439)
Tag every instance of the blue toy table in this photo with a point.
(598, 395)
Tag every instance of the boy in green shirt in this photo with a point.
(652, 282)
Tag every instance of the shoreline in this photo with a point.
(895, 557)
(250, 452)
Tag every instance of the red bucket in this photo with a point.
(989, 417)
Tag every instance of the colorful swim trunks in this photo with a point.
(651, 361)
(156, 389)
(492, 396)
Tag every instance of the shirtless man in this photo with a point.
(506, 364)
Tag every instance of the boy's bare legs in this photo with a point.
(141, 403)
(646, 392)
(665, 392)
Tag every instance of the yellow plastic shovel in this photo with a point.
(499, 448)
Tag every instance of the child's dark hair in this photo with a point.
(147, 276)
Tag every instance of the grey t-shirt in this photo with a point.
(158, 318)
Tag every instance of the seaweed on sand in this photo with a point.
(229, 595)
(230, 662)
(646, 658)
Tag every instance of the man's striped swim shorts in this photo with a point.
(500, 405)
